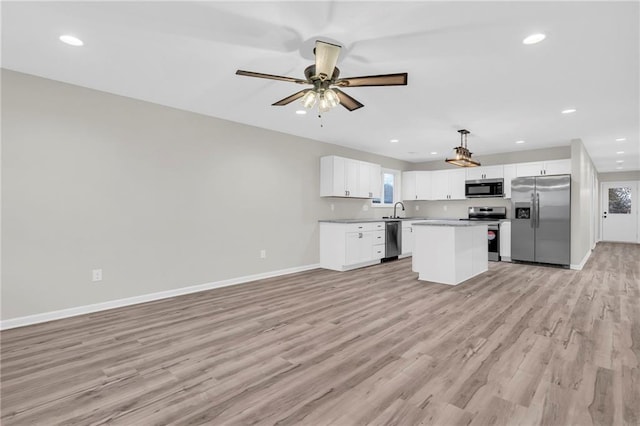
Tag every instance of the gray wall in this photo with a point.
(157, 197)
(584, 196)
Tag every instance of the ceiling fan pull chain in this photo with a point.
(320, 117)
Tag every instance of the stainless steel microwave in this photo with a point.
(484, 188)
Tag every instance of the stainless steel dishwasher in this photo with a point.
(393, 240)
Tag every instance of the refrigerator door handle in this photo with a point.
(532, 218)
(537, 210)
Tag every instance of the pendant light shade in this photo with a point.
(325, 98)
(309, 99)
(462, 157)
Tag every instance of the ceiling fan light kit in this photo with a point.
(462, 154)
(324, 77)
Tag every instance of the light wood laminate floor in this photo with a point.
(519, 344)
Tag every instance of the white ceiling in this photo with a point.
(466, 62)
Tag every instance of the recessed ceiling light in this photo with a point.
(534, 38)
(434, 152)
(301, 112)
(621, 139)
(620, 152)
(618, 168)
(71, 40)
(394, 141)
(518, 142)
(568, 111)
(619, 161)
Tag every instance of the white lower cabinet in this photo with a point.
(505, 241)
(345, 246)
(407, 239)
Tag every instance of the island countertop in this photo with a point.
(456, 223)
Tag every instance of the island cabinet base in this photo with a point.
(450, 254)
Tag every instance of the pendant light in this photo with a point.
(462, 154)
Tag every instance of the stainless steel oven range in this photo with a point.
(492, 215)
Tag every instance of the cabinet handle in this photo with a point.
(359, 234)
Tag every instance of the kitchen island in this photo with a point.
(449, 251)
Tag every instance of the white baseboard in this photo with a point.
(581, 265)
(96, 307)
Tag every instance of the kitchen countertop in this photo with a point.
(456, 223)
(371, 220)
(410, 218)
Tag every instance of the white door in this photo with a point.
(619, 211)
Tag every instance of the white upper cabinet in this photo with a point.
(344, 177)
(375, 180)
(529, 169)
(542, 168)
(448, 184)
(423, 185)
(416, 185)
(486, 172)
(557, 167)
(409, 186)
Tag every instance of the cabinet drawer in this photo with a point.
(378, 251)
(379, 237)
(364, 226)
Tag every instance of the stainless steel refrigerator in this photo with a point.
(541, 219)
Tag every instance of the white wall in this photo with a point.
(158, 198)
(584, 195)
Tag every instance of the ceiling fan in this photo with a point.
(324, 76)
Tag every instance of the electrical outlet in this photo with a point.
(365, 207)
(96, 275)
(333, 207)
(417, 208)
(444, 207)
(263, 254)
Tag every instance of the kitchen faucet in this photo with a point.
(394, 208)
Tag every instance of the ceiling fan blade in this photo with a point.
(347, 101)
(291, 98)
(326, 59)
(271, 77)
(374, 80)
